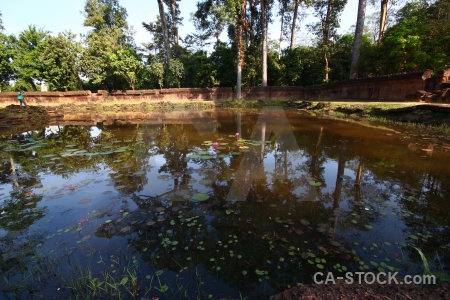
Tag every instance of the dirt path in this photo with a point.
(342, 291)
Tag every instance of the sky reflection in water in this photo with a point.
(182, 205)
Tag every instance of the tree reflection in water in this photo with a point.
(290, 196)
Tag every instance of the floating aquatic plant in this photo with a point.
(200, 197)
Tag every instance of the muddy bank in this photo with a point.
(426, 114)
(13, 118)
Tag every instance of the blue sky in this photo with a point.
(60, 15)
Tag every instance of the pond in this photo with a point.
(214, 204)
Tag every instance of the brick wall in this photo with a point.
(399, 87)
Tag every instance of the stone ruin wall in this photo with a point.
(399, 87)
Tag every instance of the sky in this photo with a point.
(60, 15)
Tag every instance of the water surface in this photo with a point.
(217, 204)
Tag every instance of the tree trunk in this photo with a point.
(263, 142)
(33, 85)
(162, 16)
(294, 23)
(326, 34)
(264, 42)
(283, 10)
(338, 187)
(354, 68)
(360, 171)
(339, 177)
(173, 10)
(239, 45)
(383, 18)
(239, 77)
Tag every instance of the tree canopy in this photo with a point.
(229, 47)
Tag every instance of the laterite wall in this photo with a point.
(399, 87)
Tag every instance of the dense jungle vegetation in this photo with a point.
(404, 37)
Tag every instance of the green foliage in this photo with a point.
(328, 12)
(28, 64)
(126, 65)
(6, 72)
(107, 59)
(60, 58)
(96, 58)
(1, 22)
(101, 14)
(302, 66)
(341, 57)
(6, 55)
(211, 18)
(405, 45)
(419, 40)
(157, 44)
(176, 72)
(224, 64)
(156, 71)
(199, 70)
(274, 69)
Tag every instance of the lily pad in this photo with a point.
(200, 197)
(335, 243)
(121, 149)
(207, 156)
(315, 183)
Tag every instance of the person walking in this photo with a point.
(21, 99)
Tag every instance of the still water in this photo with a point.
(214, 204)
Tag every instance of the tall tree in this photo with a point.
(174, 16)
(163, 20)
(283, 4)
(358, 38)
(294, 22)
(388, 8)
(110, 34)
(105, 14)
(328, 12)
(60, 57)
(211, 18)
(264, 21)
(290, 14)
(241, 25)
(126, 64)
(28, 64)
(224, 63)
(6, 56)
(1, 22)
(383, 18)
